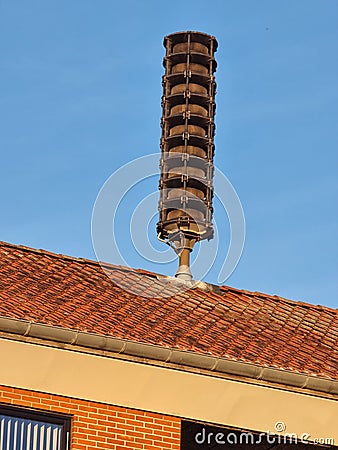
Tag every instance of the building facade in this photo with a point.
(86, 363)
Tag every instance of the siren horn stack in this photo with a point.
(187, 144)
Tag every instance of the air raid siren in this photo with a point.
(187, 144)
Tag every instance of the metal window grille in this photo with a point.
(28, 430)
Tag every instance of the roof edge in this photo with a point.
(127, 347)
(217, 289)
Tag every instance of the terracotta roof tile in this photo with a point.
(76, 293)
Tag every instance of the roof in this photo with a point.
(75, 293)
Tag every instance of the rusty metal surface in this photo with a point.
(187, 142)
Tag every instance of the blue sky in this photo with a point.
(80, 88)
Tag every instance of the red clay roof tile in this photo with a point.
(76, 293)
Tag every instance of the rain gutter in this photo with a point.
(127, 347)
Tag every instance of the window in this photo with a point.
(26, 429)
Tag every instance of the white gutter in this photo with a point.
(168, 355)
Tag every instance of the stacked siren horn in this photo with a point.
(187, 143)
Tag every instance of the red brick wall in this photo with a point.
(97, 425)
